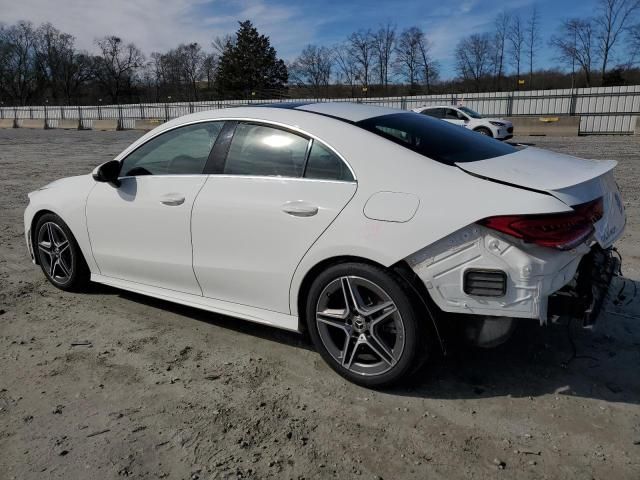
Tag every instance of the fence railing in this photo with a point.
(602, 110)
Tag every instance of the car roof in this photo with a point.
(439, 106)
(347, 111)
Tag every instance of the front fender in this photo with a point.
(67, 198)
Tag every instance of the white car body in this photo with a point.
(499, 128)
(243, 245)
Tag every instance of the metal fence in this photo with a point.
(602, 110)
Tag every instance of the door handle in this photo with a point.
(299, 208)
(172, 199)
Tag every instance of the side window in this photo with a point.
(433, 112)
(323, 164)
(265, 151)
(181, 151)
(452, 114)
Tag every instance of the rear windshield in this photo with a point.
(436, 139)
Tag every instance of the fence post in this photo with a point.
(190, 107)
(46, 117)
(166, 112)
(61, 112)
(120, 126)
(99, 109)
(79, 118)
(572, 104)
(141, 112)
(2, 112)
(31, 113)
(403, 103)
(510, 105)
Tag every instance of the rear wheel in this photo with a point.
(484, 131)
(363, 323)
(59, 255)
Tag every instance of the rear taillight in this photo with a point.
(556, 230)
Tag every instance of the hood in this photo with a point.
(570, 179)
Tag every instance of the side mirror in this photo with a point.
(108, 173)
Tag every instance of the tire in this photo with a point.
(61, 260)
(484, 131)
(368, 343)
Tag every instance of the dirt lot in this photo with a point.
(163, 391)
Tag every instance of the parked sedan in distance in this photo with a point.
(369, 228)
(497, 128)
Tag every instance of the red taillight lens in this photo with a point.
(556, 230)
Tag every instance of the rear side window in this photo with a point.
(265, 151)
(323, 164)
(438, 140)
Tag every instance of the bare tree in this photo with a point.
(473, 58)
(18, 62)
(209, 68)
(384, 41)
(313, 68)
(575, 46)
(533, 37)
(346, 66)
(361, 49)
(408, 55)
(116, 65)
(502, 24)
(191, 59)
(430, 67)
(613, 18)
(516, 38)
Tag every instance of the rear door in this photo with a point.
(254, 220)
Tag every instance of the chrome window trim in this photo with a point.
(293, 128)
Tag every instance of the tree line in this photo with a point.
(43, 64)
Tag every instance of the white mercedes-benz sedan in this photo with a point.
(371, 229)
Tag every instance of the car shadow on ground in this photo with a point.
(561, 358)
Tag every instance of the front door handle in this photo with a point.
(172, 199)
(299, 208)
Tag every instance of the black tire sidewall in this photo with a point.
(79, 272)
(396, 289)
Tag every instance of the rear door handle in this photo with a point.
(172, 199)
(299, 208)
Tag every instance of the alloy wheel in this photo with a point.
(360, 325)
(56, 254)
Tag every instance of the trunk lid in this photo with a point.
(572, 180)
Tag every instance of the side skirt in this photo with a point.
(257, 315)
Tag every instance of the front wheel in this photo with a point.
(484, 131)
(363, 323)
(59, 255)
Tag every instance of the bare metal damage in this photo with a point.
(533, 272)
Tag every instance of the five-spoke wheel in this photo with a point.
(363, 322)
(58, 253)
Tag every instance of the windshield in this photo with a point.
(441, 141)
(470, 112)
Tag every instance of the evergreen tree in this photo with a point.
(249, 64)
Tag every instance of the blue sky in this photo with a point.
(161, 24)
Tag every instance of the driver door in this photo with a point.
(455, 117)
(141, 230)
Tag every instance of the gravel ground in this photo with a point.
(156, 390)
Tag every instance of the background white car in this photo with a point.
(498, 128)
(367, 227)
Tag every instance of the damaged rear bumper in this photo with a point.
(584, 296)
